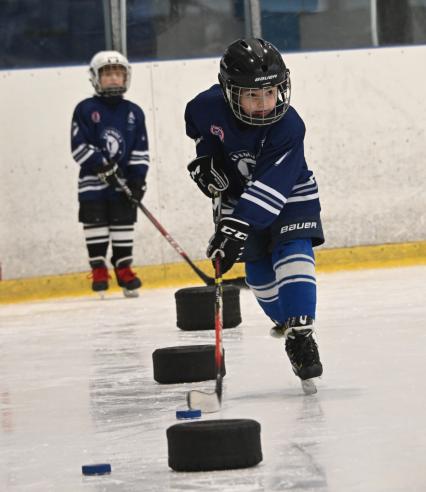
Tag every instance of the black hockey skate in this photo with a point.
(302, 351)
(128, 281)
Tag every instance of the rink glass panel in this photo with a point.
(40, 33)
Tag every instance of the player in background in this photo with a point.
(249, 145)
(109, 142)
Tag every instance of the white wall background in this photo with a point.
(365, 112)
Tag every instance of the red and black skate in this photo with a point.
(128, 281)
(99, 278)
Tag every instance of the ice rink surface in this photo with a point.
(76, 387)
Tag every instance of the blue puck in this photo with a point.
(99, 469)
(188, 414)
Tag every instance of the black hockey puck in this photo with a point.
(195, 307)
(185, 364)
(214, 445)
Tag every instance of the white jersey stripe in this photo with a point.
(282, 157)
(79, 149)
(264, 196)
(261, 203)
(139, 152)
(304, 198)
(83, 189)
(305, 190)
(311, 181)
(86, 156)
(270, 190)
(133, 162)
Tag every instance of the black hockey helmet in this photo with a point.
(253, 63)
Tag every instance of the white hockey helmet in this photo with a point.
(103, 59)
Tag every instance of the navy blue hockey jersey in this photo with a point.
(266, 166)
(103, 130)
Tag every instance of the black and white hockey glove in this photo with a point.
(109, 173)
(138, 188)
(228, 241)
(208, 175)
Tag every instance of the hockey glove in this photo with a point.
(228, 241)
(208, 175)
(110, 173)
(138, 188)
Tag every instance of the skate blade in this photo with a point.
(101, 294)
(130, 293)
(308, 386)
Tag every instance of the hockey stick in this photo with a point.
(240, 281)
(200, 400)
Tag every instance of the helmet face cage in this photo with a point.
(109, 59)
(233, 98)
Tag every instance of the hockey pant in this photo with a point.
(284, 282)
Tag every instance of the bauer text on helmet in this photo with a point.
(255, 81)
(110, 73)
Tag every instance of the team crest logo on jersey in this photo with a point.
(96, 117)
(218, 131)
(113, 143)
(245, 162)
(131, 118)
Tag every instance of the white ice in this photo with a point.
(76, 387)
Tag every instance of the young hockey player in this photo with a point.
(249, 144)
(109, 142)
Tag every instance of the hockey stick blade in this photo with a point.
(206, 402)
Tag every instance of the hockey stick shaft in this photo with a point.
(218, 315)
(218, 319)
(212, 402)
(205, 278)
